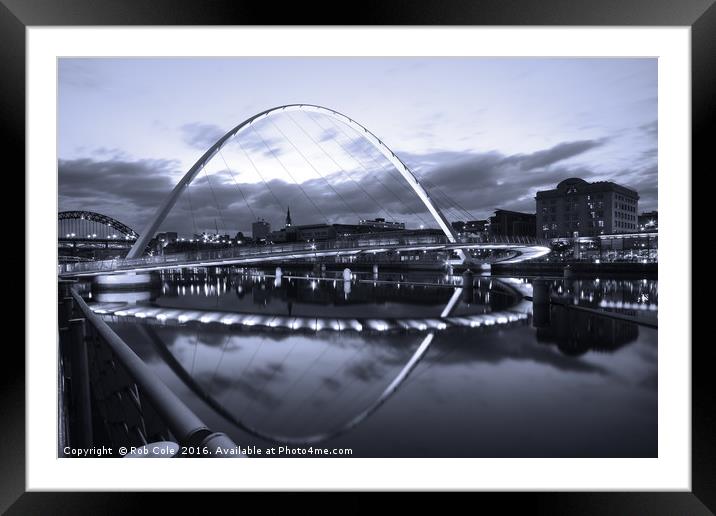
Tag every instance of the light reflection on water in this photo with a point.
(562, 383)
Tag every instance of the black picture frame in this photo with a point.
(700, 15)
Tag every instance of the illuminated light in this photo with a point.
(183, 318)
(162, 317)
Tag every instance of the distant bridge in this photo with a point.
(90, 225)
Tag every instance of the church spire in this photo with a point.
(288, 217)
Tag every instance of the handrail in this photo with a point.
(181, 421)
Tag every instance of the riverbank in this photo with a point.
(619, 269)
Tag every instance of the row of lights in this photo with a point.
(94, 235)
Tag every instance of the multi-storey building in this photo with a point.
(260, 230)
(512, 223)
(577, 208)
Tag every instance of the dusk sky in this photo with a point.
(480, 133)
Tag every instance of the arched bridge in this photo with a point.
(410, 178)
(78, 225)
(519, 249)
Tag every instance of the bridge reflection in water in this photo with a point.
(399, 368)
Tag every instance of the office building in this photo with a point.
(512, 223)
(577, 208)
(260, 230)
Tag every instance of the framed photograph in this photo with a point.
(405, 250)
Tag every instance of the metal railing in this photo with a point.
(277, 250)
(115, 399)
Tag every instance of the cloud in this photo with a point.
(79, 73)
(201, 136)
(129, 191)
(553, 155)
(463, 184)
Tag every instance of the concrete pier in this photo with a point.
(129, 280)
(540, 303)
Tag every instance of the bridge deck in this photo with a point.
(525, 247)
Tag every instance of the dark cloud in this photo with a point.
(201, 136)
(126, 190)
(651, 129)
(553, 155)
(459, 182)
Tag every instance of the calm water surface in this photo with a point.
(405, 365)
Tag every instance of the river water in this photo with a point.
(404, 365)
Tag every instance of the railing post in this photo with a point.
(82, 429)
(64, 310)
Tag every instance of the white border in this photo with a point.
(670, 471)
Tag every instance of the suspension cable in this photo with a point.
(452, 201)
(253, 215)
(273, 153)
(318, 144)
(362, 164)
(213, 194)
(191, 208)
(315, 169)
(256, 169)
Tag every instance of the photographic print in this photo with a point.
(343, 257)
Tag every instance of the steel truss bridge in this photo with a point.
(90, 225)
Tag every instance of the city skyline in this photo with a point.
(490, 132)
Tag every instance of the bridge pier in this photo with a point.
(129, 280)
(540, 303)
(468, 284)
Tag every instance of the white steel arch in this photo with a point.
(148, 232)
